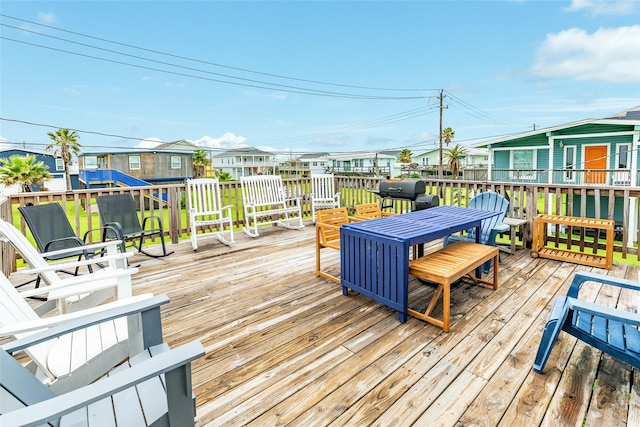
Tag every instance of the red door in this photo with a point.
(595, 163)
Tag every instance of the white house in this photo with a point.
(246, 161)
(362, 163)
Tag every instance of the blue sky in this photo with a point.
(308, 76)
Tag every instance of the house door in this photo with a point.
(595, 163)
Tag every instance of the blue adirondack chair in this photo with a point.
(610, 330)
(491, 227)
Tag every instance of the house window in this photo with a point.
(176, 162)
(59, 164)
(523, 164)
(569, 163)
(90, 162)
(623, 160)
(134, 162)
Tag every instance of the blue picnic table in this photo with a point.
(374, 254)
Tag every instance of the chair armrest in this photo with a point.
(163, 363)
(609, 313)
(358, 219)
(80, 244)
(114, 227)
(75, 285)
(93, 315)
(583, 276)
(74, 264)
(502, 228)
(103, 230)
(153, 219)
(91, 247)
(320, 225)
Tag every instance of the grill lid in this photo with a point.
(402, 188)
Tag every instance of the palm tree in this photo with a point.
(454, 158)
(200, 162)
(405, 156)
(23, 170)
(65, 143)
(224, 177)
(447, 135)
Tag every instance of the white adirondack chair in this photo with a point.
(323, 194)
(206, 210)
(74, 359)
(265, 202)
(104, 283)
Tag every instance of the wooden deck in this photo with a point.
(284, 347)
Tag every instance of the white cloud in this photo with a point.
(604, 7)
(47, 17)
(609, 54)
(176, 85)
(226, 141)
(149, 143)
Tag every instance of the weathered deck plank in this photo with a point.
(284, 347)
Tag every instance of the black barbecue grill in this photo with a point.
(406, 189)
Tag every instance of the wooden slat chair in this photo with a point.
(112, 279)
(491, 227)
(265, 202)
(118, 211)
(612, 331)
(328, 223)
(206, 210)
(152, 388)
(323, 194)
(371, 210)
(75, 359)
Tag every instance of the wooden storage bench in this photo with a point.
(574, 252)
(447, 265)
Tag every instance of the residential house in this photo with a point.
(54, 163)
(362, 164)
(291, 167)
(601, 152)
(134, 167)
(245, 161)
(317, 163)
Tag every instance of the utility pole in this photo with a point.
(442, 107)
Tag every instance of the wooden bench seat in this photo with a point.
(447, 265)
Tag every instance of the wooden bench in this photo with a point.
(574, 252)
(265, 202)
(447, 265)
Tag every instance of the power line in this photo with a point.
(208, 62)
(280, 89)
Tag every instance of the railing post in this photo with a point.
(174, 201)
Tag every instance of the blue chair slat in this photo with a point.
(600, 328)
(616, 335)
(632, 337)
(488, 201)
(613, 331)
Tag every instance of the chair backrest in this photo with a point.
(369, 210)
(26, 250)
(49, 224)
(15, 310)
(322, 186)
(119, 208)
(259, 190)
(203, 196)
(336, 217)
(490, 201)
(19, 387)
